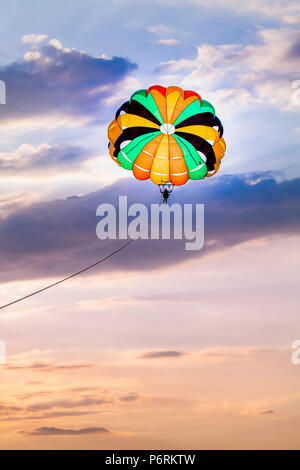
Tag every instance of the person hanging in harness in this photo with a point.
(166, 190)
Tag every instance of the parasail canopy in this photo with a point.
(167, 135)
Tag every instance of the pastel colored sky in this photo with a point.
(159, 347)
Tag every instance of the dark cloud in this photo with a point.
(45, 367)
(61, 414)
(42, 160)
(47, 415)
(59, 406)
(160, 354)
(55, 81)
(58, 237)
(294, 51)
(83, 389)
(52, 431)
(6, 409)
(267, 412)
(67, 404)
(129, 397)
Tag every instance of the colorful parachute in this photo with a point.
(168, 135)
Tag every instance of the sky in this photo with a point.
(159, 347)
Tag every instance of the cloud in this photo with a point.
(267, 8)
(53, 431)
(47, 415)
(295, 19)
(46, 367)
(161, 354)
(6, 409)
(125, 89)
(260, 408)
(168, 42)
(41, 160)
(219, 355)
(33, 38)
(55, 43)
(55, 238)
(14, 201)
(59, 83)
(265, 69)
(67, 404)
(267, 412)
(129, 397)
(160, 29)
(32, 55)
